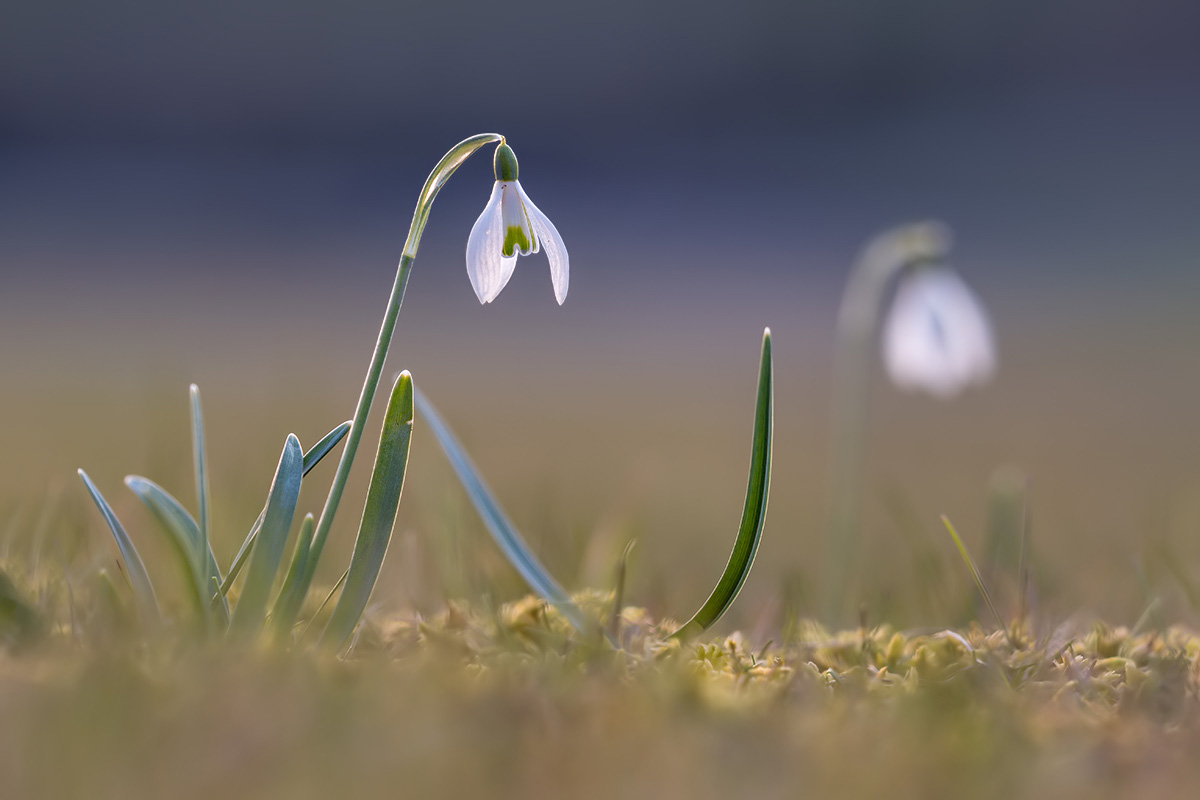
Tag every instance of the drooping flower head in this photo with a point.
(510, 226)
(937, 336)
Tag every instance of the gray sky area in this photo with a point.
(133, 127)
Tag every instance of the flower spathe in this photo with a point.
(937, 337)
(511, 226)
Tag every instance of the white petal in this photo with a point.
(556, 251)
(487, 267)
(974, 344)
(512, 209)
(937, 336)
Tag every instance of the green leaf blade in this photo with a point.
(184, 534)
(754, 512)
(267, 550)
(139, 579)
(497, 523)
(291, 595)
(321, 449)
(203, 494)
(379, 515)
(976, 575)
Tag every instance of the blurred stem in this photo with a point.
(884, 258)
(441, 173)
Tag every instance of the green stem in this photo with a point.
(884, 258)
(441, 173)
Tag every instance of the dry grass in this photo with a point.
(504, 701)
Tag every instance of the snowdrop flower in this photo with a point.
(511, 225)
(937, 336)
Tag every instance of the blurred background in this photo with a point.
(219, 193)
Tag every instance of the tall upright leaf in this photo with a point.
(291, 594)
(379, 515)
(203, 495)
(268, 546)
(139, 579)
(754, 513)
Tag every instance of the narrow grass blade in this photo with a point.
(379, 515)
(322, 448)
(203, 495)
(324, 603)
(291, 595)
(183, 532)
(754, 512)
(966, 557)
(268, 546)
(502, 530)
(614, 622)
(311, 459)
(243, 553)
(143, 590)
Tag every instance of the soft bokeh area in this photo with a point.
(218, 194)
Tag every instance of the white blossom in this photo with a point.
(937, 336)
(511, 225)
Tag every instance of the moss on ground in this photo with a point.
(507, 702)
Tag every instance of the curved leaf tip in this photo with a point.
(267, 549)
(754, 512)
(379, 515)
(135, 568)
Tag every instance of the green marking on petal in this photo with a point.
(516, 239)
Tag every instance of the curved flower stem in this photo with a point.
(441, 173)
(884, 258)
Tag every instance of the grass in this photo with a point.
(479, 698)
(506, 701)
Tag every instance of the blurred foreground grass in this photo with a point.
(501, 702)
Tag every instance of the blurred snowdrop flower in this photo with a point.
(937, 337)
(511, 225)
